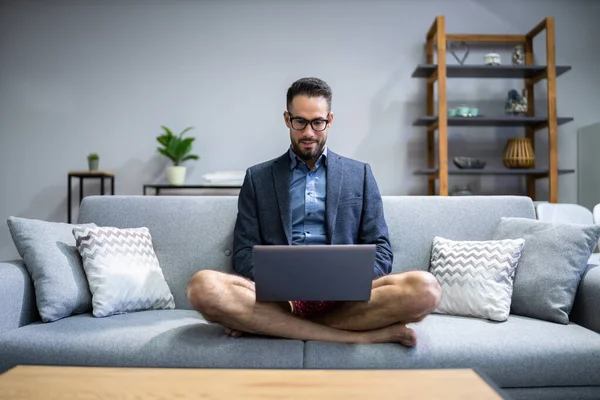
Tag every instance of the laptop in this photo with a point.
(314, 273)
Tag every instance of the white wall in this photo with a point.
(102, 76)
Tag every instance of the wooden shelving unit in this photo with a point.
(439, 72)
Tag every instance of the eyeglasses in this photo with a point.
(318, 124)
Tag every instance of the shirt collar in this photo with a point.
(294, 159)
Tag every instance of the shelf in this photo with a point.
(436, 98)
(494, 171)
(488, 71)
(490, 121)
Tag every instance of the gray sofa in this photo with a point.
(529, 358)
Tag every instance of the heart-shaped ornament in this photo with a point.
(459, 47)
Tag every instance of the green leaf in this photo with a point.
(167, 130)
(185, 130)
(164, 140)
(187, 142)
(190, 157)
(165, 153)
(172, 148)
(184, 147)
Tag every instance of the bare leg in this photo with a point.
(399, 298)
(231, 301)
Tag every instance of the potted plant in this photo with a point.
(177, 149)
(93, 160)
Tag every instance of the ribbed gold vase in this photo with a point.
(518, 153)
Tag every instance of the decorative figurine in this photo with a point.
(463, 111)
(516, 103)
(453, 47)
(491, 59)
(518, 55)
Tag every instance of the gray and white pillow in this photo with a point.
(51, 258)
(476, 277)
(122, 270)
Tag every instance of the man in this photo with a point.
(310, 195)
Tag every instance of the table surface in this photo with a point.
(97, 173)
(48, 382)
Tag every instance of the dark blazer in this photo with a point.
(354, 210)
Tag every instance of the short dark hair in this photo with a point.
(311, 87)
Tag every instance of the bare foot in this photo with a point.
(233, 333)
(398, 333)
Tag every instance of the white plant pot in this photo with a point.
(176, 175)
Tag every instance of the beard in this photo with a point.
(308, 154)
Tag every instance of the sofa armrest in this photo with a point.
(17, 296)
(587, 302)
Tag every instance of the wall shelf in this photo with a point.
(500, 121)
(540, 173)
(488, 71)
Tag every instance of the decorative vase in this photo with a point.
(176, 175)
(518, 153)
(518, 55)
(93, 165)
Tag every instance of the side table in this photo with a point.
(102, 175)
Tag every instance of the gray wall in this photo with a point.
(102, 76)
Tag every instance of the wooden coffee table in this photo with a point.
(41, 382)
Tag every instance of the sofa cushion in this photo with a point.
(520, 352)
(51, 258)
(122, 270)
(476, 276)
(414, 221)
(189, 233)
(158, 338)
(552, 263)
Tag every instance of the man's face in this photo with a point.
(308, 143)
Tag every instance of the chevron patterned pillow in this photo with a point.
(476, 276)
(122, 270)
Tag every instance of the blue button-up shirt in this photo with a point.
(307, 195)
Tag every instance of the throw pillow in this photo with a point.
(122, 270)
(476, 277)
(551, 265)
(51, 258)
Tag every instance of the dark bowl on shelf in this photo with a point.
(468, 163)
